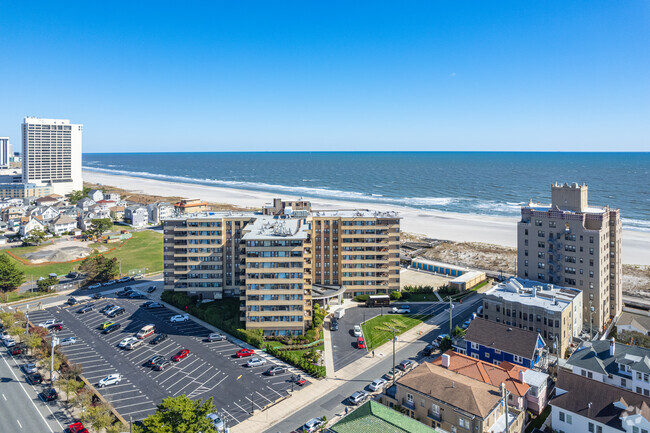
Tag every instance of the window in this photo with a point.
(562, 416)
(435, 409)
(569, 419)
(409, 398)
(475, 346)
(623, 382)
(518, 359)
(592, 428)
(464, 423)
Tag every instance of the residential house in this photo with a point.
(585, 405)
(373, 417)
(449, 401)
(48, 200)
(159, 212)
(490, 374)
(96, 195)
(117, 213)
(47, 213)
(497, 342)
(617, 364)
(30, 223)
(85, 203)
(12, 213)
(538, 383)
(137, 216)
(62, 224)
(190, 206)
(633, 322)
(112, 196)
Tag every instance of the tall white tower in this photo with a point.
(6, 151)
(52, 153)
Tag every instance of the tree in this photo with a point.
(83, 399)
(46, 284)
(99, 226)
(118, 427)
(458, 331)
(99, 269)
(36, 236)
(70, 386)
(7, 319)
(10, 276)
(33, 341)
(75, 196)
(445, 344)
(179, 415)
(98, 416)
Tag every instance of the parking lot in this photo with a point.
(211, 370)
(344, 343)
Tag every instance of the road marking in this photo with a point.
(239, 377)
(21, 426)
(3, 396)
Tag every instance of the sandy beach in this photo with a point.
(438, 225)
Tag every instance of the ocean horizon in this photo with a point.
(483, 183)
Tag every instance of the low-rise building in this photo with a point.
(96, 195)
(85, 203)
(449, 401)
(438, 267)
(498, 342)
(585, 405)
(62, 224)
(190, 206)
(30, 223)
(467, 280)
(24, 190)
(113, 196)
(137, 216)
(116, 212)
(373, 417)
(617, 364)
(159, 212)
(552, 311)
(634, 323)
(286, 207)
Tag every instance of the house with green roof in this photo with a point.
(373, 417)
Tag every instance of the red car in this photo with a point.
(360, 343)
(244, 352)
(15, 351)
(77, 428)
(182, 354)
(55, 327)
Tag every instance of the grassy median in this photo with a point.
(378, 330)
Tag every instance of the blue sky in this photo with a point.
(413, 75)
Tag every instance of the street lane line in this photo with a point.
(18, 421)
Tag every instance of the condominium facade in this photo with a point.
(52, 153)
(6, 151)
(575, 245)
(24, 190)
(220, 254)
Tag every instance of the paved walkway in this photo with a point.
(262, 420)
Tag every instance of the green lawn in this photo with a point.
(422, 297)
(377, 330)
(15, 296)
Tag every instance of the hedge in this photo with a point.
(297, 360)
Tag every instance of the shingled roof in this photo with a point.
(503, 337)
(373, 417)
(470, 395)
(595, 356)
(598, 401)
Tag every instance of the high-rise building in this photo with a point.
(272, 262)
(572, 244)
(6, 151)
(52, 153)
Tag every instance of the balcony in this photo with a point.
(434, 416)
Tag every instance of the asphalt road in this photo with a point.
(20, 408)
(335, 402)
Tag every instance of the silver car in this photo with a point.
(69, 341)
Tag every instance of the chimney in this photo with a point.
(521, 376)
(445, 360)
(534, 291)
(612, 346)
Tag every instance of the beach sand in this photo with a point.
(433, 224)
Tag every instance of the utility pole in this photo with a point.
(393, 329)
(557, 353)
(130, 424)
(591, 320)
(252, 404)
(504, 394)
(27, 320)
(54, 343)
(451, 307)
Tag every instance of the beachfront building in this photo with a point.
(553, 312)
(344, 253)
(285, 207)
(572, 244)
(136, 215)
(24, 190)
(6, 151)
(52, 153)
(190, 206)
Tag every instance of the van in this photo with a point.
(339, 313)
(146, 331)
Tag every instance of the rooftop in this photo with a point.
(373, 417)
(510, 339)
(533, 293)
(595, 356)
(424, 260)
(467, 394)
(270, 228)
(638, 321)
(598, 401)
(355, 213)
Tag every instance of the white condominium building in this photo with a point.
(6, 151)
(52, 153)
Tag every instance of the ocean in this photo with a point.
(487, 183)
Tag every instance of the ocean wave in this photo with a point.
(635, 224)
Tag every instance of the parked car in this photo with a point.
(275, 370)
(357, 397)
(216, 421)
(68, 341)
(124, 279)
(402, 309)
(124, 293)
(55, 327)
(107, 307)
(312, 425)
(16, 350)
(85, 309)
(48, 323)
(71, 301)
(407, 364)
(94, 286)
(334, 325)
(29, 368)
(97, 296)
(180, 318)
(146, 331)
(105, 325)
(146, 304)
(377, 384)
(34, 378)
(126, 341)
(133, 344)
(256, 362)
(182, 354)
(116, 312)
(215, 336)
(77, 427)
(357, 331)
(162, 364)
(428, 350)
(48, 395)
(244, 352)
(112, 328)
(9, 342)
(392, 373)
(136, 295)
(72, 274)
(109, 283)
(159, 339)
(439, 339)
(155, 305)
(154, 360)
(151, 289)
(466, 323)
(111, 379)
(361, 344)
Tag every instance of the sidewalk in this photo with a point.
(262, 420)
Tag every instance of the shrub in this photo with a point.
(361, 298)
(395, 296)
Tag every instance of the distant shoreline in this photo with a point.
(450, 226)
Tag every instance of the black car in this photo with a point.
(159, 339)
(85, 309)
(34, 378)
(334, 325)
(72, 275)
(106, 308)
(114, 327)
(97, 296)
(136, 295)
(428, 350)
(146, 304)
(117, 312)
(48, 395)
(154, 360)
(71, 301)
(151, 289)
(161, 365)
(275, 370)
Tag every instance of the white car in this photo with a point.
(109, 283)
(216, 421)
(94, 286)
(312, 425)
(124, 279)
(48, 323)
(256, 362)
(111, 379)
(377, 384)
(67, 341)
(357, 331)
(403, 309)
(127, 341)
(180, 318)
(9, 342)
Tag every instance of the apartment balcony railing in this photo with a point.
(434, 416)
